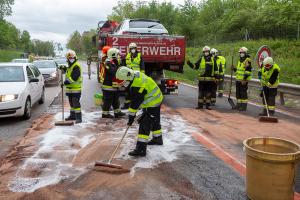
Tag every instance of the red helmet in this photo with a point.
(105, 49)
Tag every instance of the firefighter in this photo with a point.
(103, 59)
(243, 73)
(110, 92)
(269, 81)
(135, 61)
(145, 94)
(221, 63)
(73, 83)
(207, 77)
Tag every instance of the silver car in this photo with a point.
(49, 69)
(141, 26)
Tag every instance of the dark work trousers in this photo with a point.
(241, 93)
(110, 98)
(221, 86)
(205, 92)
(270, 94)
(74, 101)
(149, 122)
(127, 96)
(214, 92)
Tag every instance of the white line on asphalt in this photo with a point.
(252, 103)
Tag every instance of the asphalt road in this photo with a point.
(11, 129)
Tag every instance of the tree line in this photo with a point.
(82, 43)
(12, 38)
(218, 21)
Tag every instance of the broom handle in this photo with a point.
(265, 100)
(231, 77)
(116, 149)
(62, 96)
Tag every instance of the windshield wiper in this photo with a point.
(152, 25)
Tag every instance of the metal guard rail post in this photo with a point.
(284, 88)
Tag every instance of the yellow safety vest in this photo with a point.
(75, 86)
(135, 63)
(266, 75)
(241, 70)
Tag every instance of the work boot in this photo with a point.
(119, 114)
(71, 117)
(243, 107)
(220, 95)
(125, 106)
(263, 113)
(109, 116)
(78, 118)
(156, 141)
(200, 106)
(140, 149)
(208, 106)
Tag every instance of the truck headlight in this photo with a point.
(54, 74)
(8, 97)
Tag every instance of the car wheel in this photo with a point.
(42, 99)
(27, 109)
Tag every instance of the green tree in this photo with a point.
(5, 8)
(75, 42)
(86, 40)
(25, 41)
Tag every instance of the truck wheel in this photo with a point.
(98, 72)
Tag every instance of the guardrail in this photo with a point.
(284, 88)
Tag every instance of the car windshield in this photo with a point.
(145, 24)
(20, 60)
(11, 74)
(44, 64)
(61, 61)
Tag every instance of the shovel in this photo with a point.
(230, 101)
(267, 118)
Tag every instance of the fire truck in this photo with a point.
(160, 51)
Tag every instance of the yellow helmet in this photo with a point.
(71, 54)
(125, 74)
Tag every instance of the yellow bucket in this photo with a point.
(98, 98)
(270, 168)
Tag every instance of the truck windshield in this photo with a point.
(145, 24)
(11, 74)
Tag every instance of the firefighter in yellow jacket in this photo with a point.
(73, 83)
(133, 60)
(145, 94)
(243, 72)
(269, 81)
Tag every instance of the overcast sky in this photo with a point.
(55, 20)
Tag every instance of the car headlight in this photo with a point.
(8, 97)
(54, 74)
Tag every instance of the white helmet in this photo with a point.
(206, 48)
(268, 61)
(213, 51)
(125, 74)
(70, 54)
(132, 45)
(243, 50)
(113, 53)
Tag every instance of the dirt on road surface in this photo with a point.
(57, 162)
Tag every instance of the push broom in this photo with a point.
(105, 166)
(63, 122)
(267, 118)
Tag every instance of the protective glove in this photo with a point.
(130, 120)
(67, 82)
(188, 62)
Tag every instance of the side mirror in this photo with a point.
(34, 80)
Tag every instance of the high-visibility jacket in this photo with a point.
(267, 74)
(242, 71)
(221, 63)
(75, 85)
(207, 68)
(134, 63)
(144, 93)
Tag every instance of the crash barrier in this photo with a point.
(284, 88)
(270, 168)
(98, 99)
